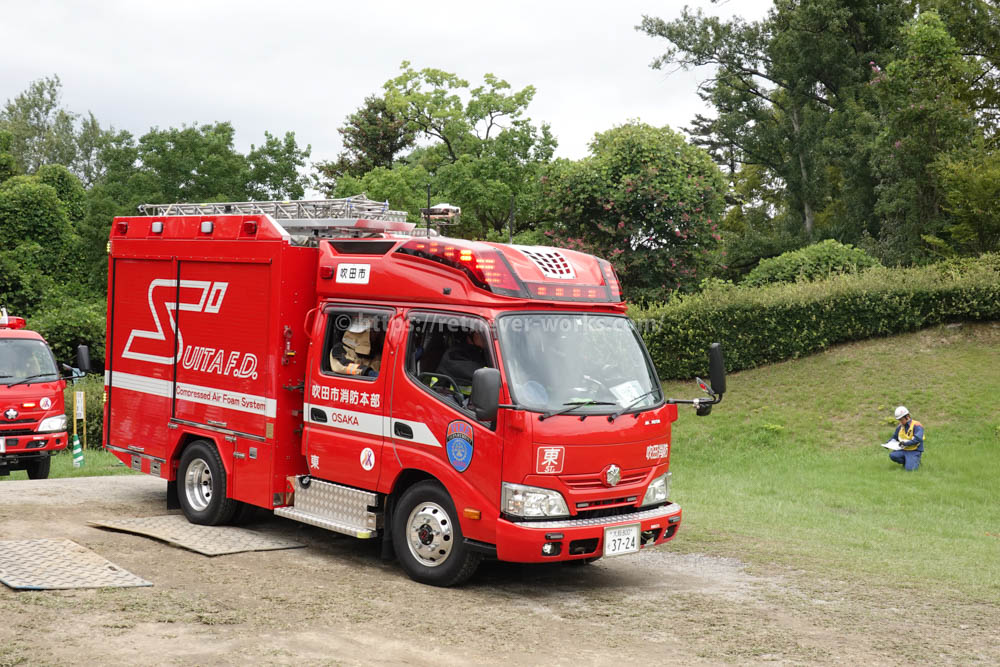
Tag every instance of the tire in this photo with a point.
(427, 537)
(201, 486)
(39, 468)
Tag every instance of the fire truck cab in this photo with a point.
(457, 399)
(32, 413)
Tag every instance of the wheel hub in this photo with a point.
(429, 534)
(198, 485)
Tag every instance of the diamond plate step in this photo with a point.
(341, 509)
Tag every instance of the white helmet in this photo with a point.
(901, 412)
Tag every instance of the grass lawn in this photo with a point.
(96, 463)
(788, 470)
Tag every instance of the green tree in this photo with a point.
(403, 186)
(480, 151)
(37, 240)
(970, 179)
(68, 188)
(32, 211)
(25, 277)
(975, 25)
(644, 199)
(924, 114)
(199, 163)
(8, 165)
(190, 164)
(373, 137)
(42, 131)
(273, 169)
(794, 94)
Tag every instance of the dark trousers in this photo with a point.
(909, 459)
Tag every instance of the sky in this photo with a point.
(305, 65)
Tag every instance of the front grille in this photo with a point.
(606, 511)
(596, 480)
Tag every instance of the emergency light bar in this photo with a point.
(488, 269)
(11, 322)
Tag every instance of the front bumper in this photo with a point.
(581, 538)
(30, 446)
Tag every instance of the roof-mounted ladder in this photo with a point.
(304, 219)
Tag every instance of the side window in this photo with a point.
(444, 351)
(353, 343)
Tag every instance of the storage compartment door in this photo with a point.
(224, 339)
(140, 355)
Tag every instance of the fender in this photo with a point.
(188, 434)
(462, 493)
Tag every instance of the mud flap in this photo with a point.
(387, 552)
(173, 501)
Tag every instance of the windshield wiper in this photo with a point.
(29, 378)
(572, 406)
(618, 414)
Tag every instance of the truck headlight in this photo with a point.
(658, 490)
(532, 501)
(52, 424)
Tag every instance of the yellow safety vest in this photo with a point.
(906, 433)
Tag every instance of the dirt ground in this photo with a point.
(336, 602)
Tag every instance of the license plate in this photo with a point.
(621, 540)
(3, 445)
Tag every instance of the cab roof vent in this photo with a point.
(550, 262)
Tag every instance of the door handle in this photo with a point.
(402, 430)
(317, 415)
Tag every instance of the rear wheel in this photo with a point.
(201, 486)
(39, 468)
(428, 539)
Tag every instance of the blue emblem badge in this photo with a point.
(458, 440)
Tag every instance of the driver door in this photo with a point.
(432, 426)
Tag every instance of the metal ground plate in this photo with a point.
(38, 565)
(175, 529)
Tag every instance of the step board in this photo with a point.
(341, 509)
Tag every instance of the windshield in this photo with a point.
(22, 358)
(557, 360)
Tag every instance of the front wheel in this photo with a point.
(428, 539)
(201, 482)
(39, 468)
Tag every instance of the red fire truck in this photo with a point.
(457, 399)
(32, 413)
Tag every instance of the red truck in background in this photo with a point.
(32, 411)
(457, 399)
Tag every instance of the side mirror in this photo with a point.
(717, 369)
(485, 398)
(83, 358)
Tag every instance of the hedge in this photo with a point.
(763, 325)
(814, 262)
